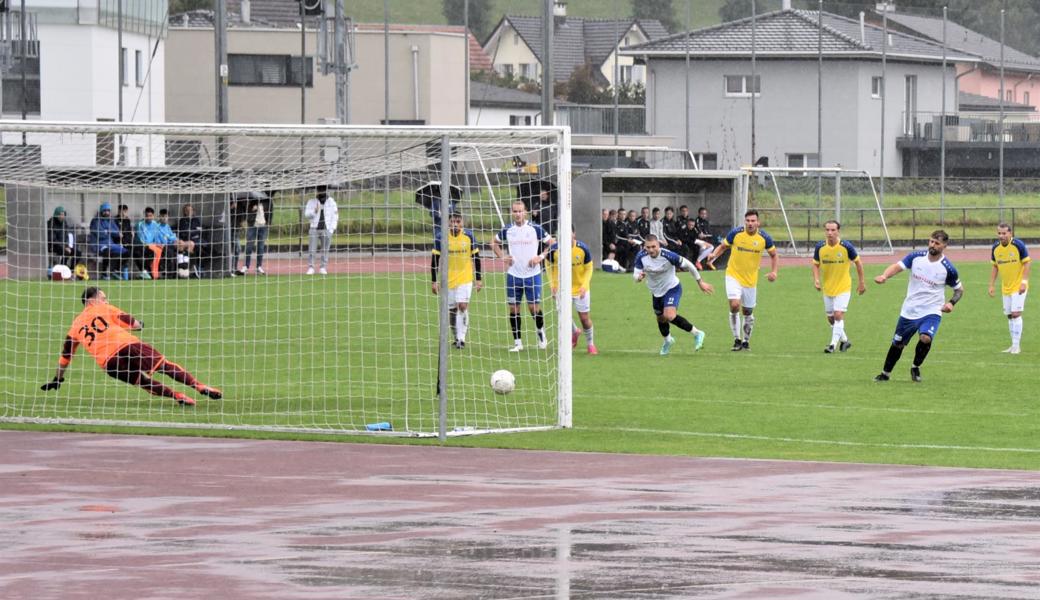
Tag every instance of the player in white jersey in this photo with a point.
(657, 267)
(524, 276)
(930, 273)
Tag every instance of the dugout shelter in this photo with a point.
(723, 193)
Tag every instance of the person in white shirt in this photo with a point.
(930, 273)
(323, 215)
(526, 241)
(657, 267)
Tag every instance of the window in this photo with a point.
(124, 67)
(268, 70)
(12, 87)
(506, 70)
(1010, 95)
(626, 74)
(876, 87)
(139, 70)
(516, 39)
(515, 120)
(139, 155)
(739, 86)
(1025, 98)
(707, 160)
(801, 161)
(527, 70)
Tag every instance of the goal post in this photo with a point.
(298, 338)
(803, 198)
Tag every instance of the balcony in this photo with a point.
(598, 119)
(1019, 128)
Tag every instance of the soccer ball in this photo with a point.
(61, 273)
(502, 381)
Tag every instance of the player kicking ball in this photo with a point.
(1011, 261)
(581, 279)
(925, 302)
(104, 331)
(830, 263)
(658, 267)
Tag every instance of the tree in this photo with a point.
(581, 88)
(662, 10)
(479, 15)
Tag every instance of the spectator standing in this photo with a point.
(259, 215)
(673, 232)
(324, 216)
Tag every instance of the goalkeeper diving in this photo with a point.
(104, 331)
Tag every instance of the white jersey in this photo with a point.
(523, 246)
(660, 271)
(925, 293)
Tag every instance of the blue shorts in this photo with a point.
(906, 328)
(670, 299)
(518, 288)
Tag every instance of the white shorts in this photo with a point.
(458, 294)
(747, 295)
(839, 303)
(1015, 303)
(582, 304)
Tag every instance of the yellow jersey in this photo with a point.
(746, 254)
(461, 250)
(834, 262)
(581, 267)
(1010, 260)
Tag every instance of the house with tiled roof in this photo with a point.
(515, 46)
(982, 78)
(785, 90)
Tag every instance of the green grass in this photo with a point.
(784, 400)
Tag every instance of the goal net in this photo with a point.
(297, 280)
(796, 202)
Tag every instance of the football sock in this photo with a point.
(837, 332)
(734, 324)
(539, 320)
(514, 324)
(453, 318)
(461, 324)
(664, 327)
(588, 336)
(704, 253)
(920, 352)
(894, 352)
(154, 387)
(177, 373)
(1016, 330)
(681, 322)
(749, 325)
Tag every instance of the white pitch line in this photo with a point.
(765, 438)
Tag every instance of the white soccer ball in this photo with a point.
(502, 381)
(61, 273)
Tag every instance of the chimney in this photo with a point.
(560, 12)
(862, 28)
(786, 5)
(246, 11)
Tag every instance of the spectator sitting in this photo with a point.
(170, 240)
(105, 241)
(148, 249)
(672, 232)
(694, 243)
(643, 222)
(607, 234)
(61, 240)
(189, 232)
(704, 227)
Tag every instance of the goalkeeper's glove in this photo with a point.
(53, 384)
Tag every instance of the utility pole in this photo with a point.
(220, 54)
(548, 26)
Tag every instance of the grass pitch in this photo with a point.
(785, 399)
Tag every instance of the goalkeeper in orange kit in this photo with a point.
(104, 331)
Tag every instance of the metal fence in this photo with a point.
(599, 119)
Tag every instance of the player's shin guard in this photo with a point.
(894, 352)
(539, 320)
(664, 327)
(453, 320)
(588, 336)
(837, 332)
(514, 324)
(921, 352)
(178, 373)
(681, 322)
(749, 325)
(734, 324)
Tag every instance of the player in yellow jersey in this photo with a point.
(463, 268)
(1011, 260)
(581, 280)
(748, 244)
(831, 260)
(104, 332)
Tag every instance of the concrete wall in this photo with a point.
(786, 110)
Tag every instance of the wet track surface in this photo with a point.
(95, 516)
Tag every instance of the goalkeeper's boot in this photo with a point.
(212, 392)
(698, 340)
(183, 400)
(915, 374)
(666, 347)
